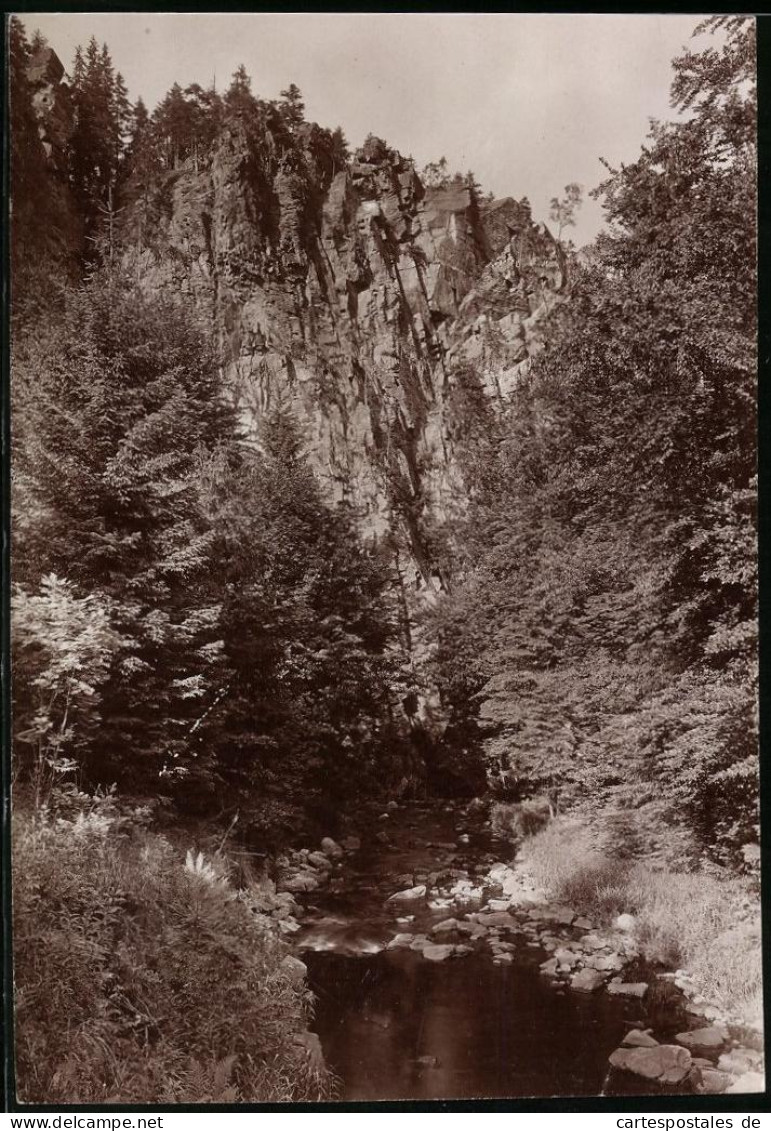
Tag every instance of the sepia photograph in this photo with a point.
(383, 563)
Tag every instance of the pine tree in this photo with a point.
(101, 124)
(292, 107)
(239, 99)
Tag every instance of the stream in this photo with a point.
(394, 1024)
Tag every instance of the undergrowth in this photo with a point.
(142, 978)
(708, 924)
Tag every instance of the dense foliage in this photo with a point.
(144, 980)
(603, 641)
(190, 616)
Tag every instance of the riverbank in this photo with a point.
(706, 927)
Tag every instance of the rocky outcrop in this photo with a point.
(376, 310)
(52, 104)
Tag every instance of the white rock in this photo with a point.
(403, 939)
(437, 952)
(409, 894)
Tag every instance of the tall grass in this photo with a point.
(142, 980)
(707, 924)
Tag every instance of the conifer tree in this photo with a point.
(292, 107)
(101, 123)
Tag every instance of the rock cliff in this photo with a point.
(358, 300)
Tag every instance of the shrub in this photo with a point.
(142, 980)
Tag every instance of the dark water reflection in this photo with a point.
(394, 1025)
(494, 1030)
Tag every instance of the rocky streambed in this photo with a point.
(442, 971)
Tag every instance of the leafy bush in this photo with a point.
(140, 979)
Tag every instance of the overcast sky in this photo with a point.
(528, 102)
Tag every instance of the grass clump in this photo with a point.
(142, 978)
(708, 924)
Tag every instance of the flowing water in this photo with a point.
(395, 1025)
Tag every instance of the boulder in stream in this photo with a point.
(401, 940)
(713, 1082)
(586, 981)
(668, 1064)
(473, 930)
(331, 848)
(606, 962)
(437, 952)
(444, 927)
(566, 957)
(640, 1038)
(703, 1040)
(408, 894)
(497, 919)
(628, 989)
(319, 860)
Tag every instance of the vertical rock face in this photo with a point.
(357, 300)
(52, 104)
